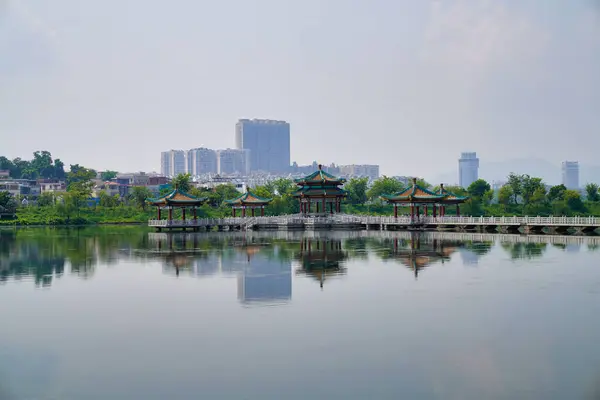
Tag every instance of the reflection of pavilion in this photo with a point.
(321, 258)
(422, 253)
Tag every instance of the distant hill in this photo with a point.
(499, 170)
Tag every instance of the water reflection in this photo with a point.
(262, 261)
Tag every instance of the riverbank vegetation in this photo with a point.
(521, 195)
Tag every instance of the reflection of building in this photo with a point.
(264, 279)
(321, 258)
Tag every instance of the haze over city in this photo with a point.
(403, 84)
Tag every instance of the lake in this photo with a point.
(124, 313)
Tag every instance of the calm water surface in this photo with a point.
(121, 313)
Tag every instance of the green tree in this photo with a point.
(46, 199)
(557, 192)
(182, 182)
(8, 205)
(573, 199)
(478, 188)
(384, 185)
(357, 190)
(41, 165)
(530, 186)
(591, 190)
(139, 195)
(108, 175)
(79, 174)
(284, 186)
(515, 182)
(505, 195)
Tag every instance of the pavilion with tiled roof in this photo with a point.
(320, 188)
(176, 199)
(248, 200)
(450, 199)
(416, 196)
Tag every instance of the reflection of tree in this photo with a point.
(525, 251)
(593, 246)
(479, 248)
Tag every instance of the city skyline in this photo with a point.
(363, 81)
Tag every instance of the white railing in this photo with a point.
(342, 219)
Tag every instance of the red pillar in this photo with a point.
(253, 211)
(262, 211)
(323, 206)
(434, 211)
(457, 210)
(412, 210)
(195, 214)
(170, 213)
(425, 210)
(158, 208)
(243, 211)
(308, 206)
(418, 211)
(233, 211)
(395, 210)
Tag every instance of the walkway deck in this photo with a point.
(344, 221)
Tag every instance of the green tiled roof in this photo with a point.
(319, 190)
(449, 196)
(249, 198)
(320, 177)
(176, 197)
(412, 193)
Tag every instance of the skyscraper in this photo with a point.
(570, 174)
(268, 142)
(233, 161)
(468, 169)
(201, 161)
(172, 162)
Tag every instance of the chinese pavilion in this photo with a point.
(321, 189)
(450, 199)
(248, 200)
(176, 199)
(416, 196)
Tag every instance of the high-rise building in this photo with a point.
(362, 171)
(468, 169)
(570, 174)
(201, 161)
(233, 161)
(172, 162)
(268, 142)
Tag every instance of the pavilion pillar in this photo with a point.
(309, 204)
(339, 205)
(317, 207)
(170, 213)
(324, 207)
(195, 213)
(434, 211)
(457, 210)
(253, 211)
(418, 211)
(243, 211)
(158, 208)
(425, 210)
(262, 211)
(412, 211)
(233, 211)
(331, 208)
(183, 214)
(395, 210)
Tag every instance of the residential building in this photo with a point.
(201, 161)
(172, 162)
(4, 174)
(570, 174)
(468, 169)
(268, 142)
(360, 171)
(50, 186)
(233, 161)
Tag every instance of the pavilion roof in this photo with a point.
(320, 177)
(413, 193)
(319, 190)
(177, 198)
(451, 197)
(249, 198)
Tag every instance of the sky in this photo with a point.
(406, 84)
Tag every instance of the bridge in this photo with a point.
(358, 222)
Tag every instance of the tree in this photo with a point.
(46, 199)
(478, 188)
(357, 190)
(139, 195)
(283, 186)
(107, 200)
(573, 199)
(529, 186)
(41, 165)
(108, 175)
(515, 182)
(592, 192)
(8, 204)
(384, 185)
(505, 195)
(79, 174)
(182, 182)
(557, 192)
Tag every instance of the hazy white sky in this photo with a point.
(407, 84)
